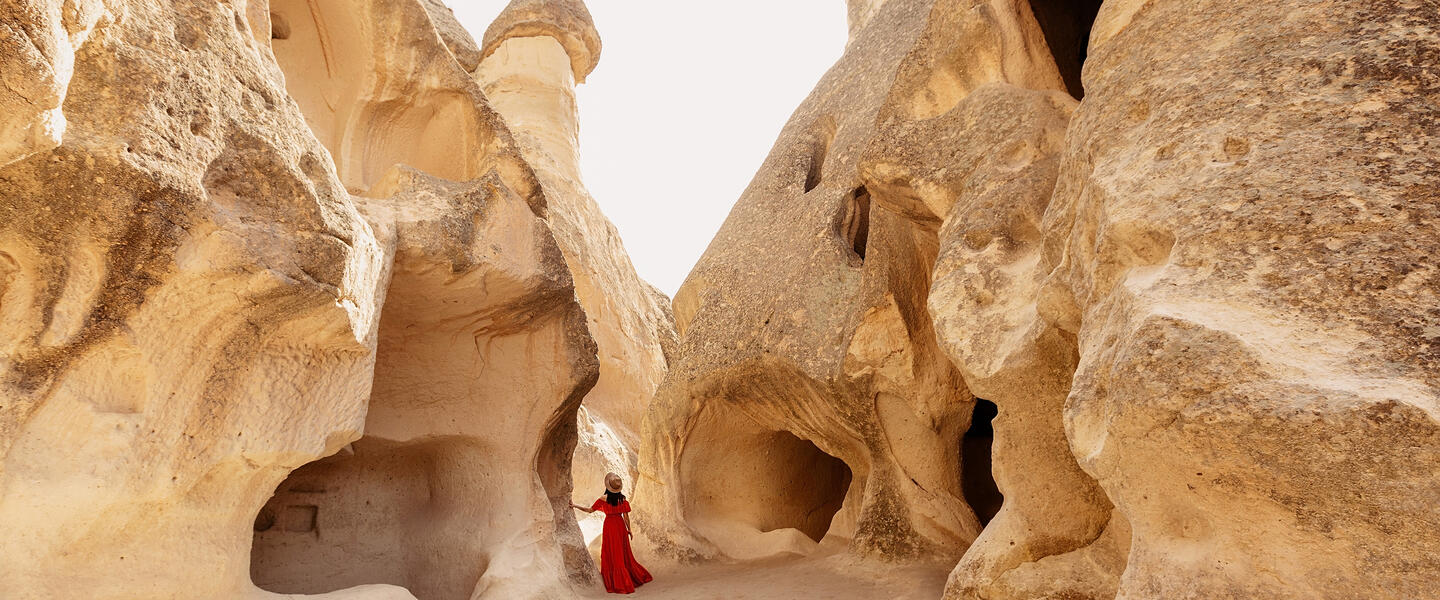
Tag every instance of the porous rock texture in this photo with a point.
(188, 304)
(535, 53)
(811, 401)
(198, 300)
(458, 485)
(1244, 245)
(1201, 299)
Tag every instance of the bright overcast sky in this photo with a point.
(687, 100)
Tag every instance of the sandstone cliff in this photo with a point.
(190, 300)
(1069, 300)
(238, 238)
(1199, 298)
(534, 54)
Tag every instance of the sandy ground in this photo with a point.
(818, 578)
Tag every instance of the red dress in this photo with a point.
(617, 564)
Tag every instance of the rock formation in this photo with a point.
(189, 300)
(811, 401)
(314, 239)
(1199, 298)
(534, 54)
(482, 360)
(1243, 252)
(1086, 302)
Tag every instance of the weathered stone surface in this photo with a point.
(483, 354)
(457, 39)
(38, 40)
(379, 87)
(1202, 299)
(529, 76)
(225, 292)
(1203, 307)
(809, 383)
(187, 308)
(970, 143)
(462, 475)
(1244, 232)
(566, 21)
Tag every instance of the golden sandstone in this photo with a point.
(1070, 300)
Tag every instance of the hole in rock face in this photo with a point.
(279, 27)
(374, 516)
(1066, 24)
(856, 225)
(739, 473)
(975, 479)
(824, 134)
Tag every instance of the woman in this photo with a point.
(617, 564)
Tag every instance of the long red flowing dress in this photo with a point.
(622, 574)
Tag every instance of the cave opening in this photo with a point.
(976, 480)
(743, 477)
(367, 515)
(1066, 25)
(856, 224)
(326, 518)
(816, 481)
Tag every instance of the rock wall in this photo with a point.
(306, 243)
(805, 339)
(189, 300)
(1243, 252)
(534, 54)
(1198, 297)
(461, 483)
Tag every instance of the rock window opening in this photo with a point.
(279, 27)
(824, 134)
(856, 225)
(976, 480)
(1066, 24)
(812, 176)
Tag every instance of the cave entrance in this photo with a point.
(333, 524)
(976, 480)
(1066, 24)
(372, 514)
(815, 485)
(741, 477)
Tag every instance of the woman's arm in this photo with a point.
(584, 508)
(627, 525)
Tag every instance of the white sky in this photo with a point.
(687, 100)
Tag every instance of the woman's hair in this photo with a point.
(613, 498)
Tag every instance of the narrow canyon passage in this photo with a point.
(1029, 299)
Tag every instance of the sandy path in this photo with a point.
(830, 577)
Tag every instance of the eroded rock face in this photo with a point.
(1245, 254)
(193, 303)
(969, 150)
(461, 486)
(806, 342)
(535, 53)
(1200, 299)
(483, 359)
(38, 40)
(188, 297)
